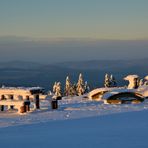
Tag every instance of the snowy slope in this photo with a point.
(125, 130)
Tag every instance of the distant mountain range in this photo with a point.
(22, 73)
(55, 50)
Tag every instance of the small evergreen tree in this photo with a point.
(54, 87)
(68, 87)
(107, 82)
(58, 92)
(113, 81)
(80, 85)
(141, 82)
(73, 89)
(86, 87)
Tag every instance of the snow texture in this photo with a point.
(78, 123)
(78, 107)
(128, 130)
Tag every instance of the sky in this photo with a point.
(72, 21)
(103, 19)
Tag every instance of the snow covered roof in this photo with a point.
(95, 91)
(117, 91)
(131, 77)
(20, 90)
(103, 89)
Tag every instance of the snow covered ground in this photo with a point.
(74, 108)
(77, 123)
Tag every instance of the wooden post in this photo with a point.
(54, 104)
(2, 106)
(27, 103)
(11, 98)
(136, 83)
(37, 101)
(27, 108)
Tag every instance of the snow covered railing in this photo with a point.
(21, 106)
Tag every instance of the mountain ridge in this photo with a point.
(22, 73)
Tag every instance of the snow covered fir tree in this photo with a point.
(141, 82)
(54, 87)
(69, 88)
(57, 90)
(76, 89)
(86, 87)
(80, 85)
(107, 82)
(113, 81)
(110, 81)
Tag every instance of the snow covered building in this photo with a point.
(19, 93)
(20, 98)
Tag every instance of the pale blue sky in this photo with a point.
(102, 19)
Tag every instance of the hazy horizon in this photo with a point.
(71, 49)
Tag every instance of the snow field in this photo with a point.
(125, 130)
(73, 108)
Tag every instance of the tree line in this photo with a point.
(79, 88)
